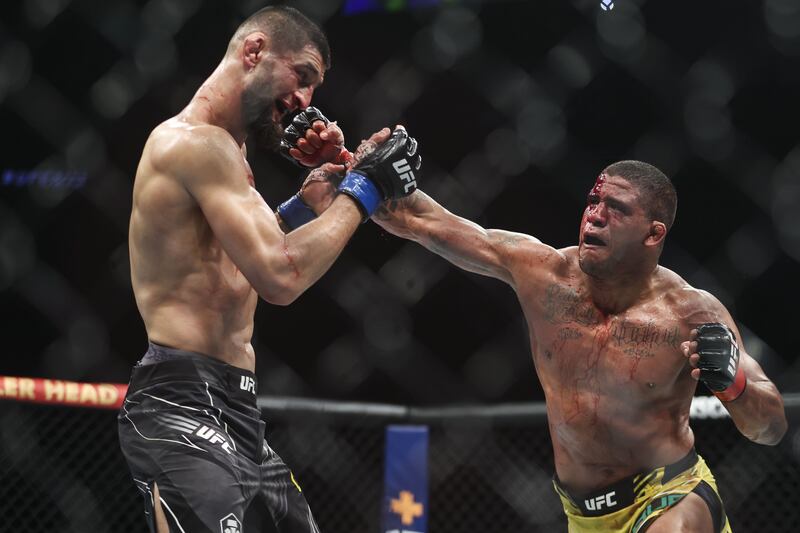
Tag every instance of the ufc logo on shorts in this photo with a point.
(597, 503)
(230, 524)
(403, 169)
(214, 437)
(247, 383)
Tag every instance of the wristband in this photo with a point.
(735, 389)
(294, 212)
(361, 189)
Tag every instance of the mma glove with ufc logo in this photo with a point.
(389, 172)
(719, 361)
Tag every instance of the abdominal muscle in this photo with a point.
(601, 438)
(190, 294)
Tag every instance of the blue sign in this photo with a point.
(405, 486)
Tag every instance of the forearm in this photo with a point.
(462, 242)
(758, 412)
(309, 251)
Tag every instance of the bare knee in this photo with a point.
(690, 515)
(158, 510)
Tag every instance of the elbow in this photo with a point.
(280, 291)
(773, 434)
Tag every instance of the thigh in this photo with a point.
(283, 497)
(691, 514)
(195, 493)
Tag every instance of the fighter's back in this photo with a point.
(190, 294)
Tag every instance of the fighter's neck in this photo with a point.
(620, 293)
(218, 102)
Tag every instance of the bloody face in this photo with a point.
(613, 228)
(281, 83)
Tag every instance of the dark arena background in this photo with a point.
(517, 106)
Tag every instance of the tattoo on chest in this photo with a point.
(563, 305)
(640, 339)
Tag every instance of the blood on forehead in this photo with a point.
(598, 184)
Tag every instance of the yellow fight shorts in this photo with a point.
(631, 504)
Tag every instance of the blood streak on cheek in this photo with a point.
(251, 181)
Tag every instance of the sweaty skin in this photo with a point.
(610, 347)
(203, 243)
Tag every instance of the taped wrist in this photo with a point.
(366, 194)
(735, 389)
(294, 212)
(719, 361)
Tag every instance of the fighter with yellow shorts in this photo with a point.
(633, 503)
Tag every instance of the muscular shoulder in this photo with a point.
(185, 150)
(533, 262)
(694, 306)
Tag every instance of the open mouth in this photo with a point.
(593, 240)
(282, 110)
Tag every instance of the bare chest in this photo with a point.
(634, 355)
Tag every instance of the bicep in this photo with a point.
(489, 252)
(216, 177)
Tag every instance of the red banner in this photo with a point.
(59, 392)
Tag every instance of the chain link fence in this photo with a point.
(490, 469)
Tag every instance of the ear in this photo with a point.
(657, 234)
(252, 49)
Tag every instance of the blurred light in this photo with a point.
(45, 178)
(168, 16)
(541, 126)
(387, 328)
(316, 10)
(155, 56)
(751, 251)
(709, 127)
(786, 202)
(490, 373)
(341, 365)
(783, 18)
(711, 81)
(86, 150)
(41, 12)
(400, 81)
(413, 271)
(15, 67)
(622, 33)
(506, 152)
(570, 65)
(17, 250)
(114, 93)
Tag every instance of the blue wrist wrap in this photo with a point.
(363, 190)
(295, 212)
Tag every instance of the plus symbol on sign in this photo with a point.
(406, 507)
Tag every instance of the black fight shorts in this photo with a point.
(190, 424)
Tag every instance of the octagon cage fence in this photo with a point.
(490, 467)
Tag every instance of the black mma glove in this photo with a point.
(387, 173)
(295, 131)
(719, 361)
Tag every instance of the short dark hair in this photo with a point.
(287, 28)
(656, 191)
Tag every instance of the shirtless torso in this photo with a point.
(617, 386)
(612, 353)
(190, 293)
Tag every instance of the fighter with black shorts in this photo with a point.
(204, 246)
(194, 421)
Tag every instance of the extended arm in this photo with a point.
(467, 245)
(757, 410)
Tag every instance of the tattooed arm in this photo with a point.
(758, 412)
(467, 245)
